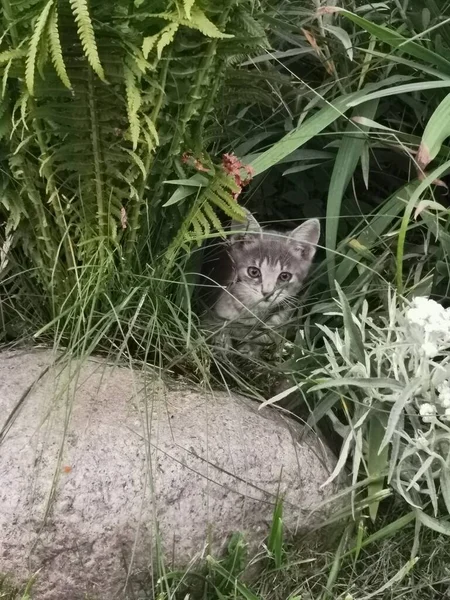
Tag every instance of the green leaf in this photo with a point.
(397, 409)
(345, 451)
(55, 48)
(187, 5)
(438, 525)
(134, 101)
(179, 195)
(240, 587)
(201, 22)
(436, 131)
(445, 486)
(396, 40)
(415, 196)
(196, 180)
(300, 168)
(14, 54)
(315, 125)
(343, 37)
(148, 44)
(348, 157)
(359, 382)
(275, 540)
(377, 462)
(388, 530)
(166, 37)
(357, 345)
(86, 33)
(374, 229)
(407, 88)
(39, 29)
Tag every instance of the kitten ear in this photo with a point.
(248, 227)
(307, 235)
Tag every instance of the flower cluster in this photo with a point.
(242, 173)
(430, 324)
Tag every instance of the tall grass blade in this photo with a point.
(349, 154)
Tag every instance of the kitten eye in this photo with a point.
(285, 276)
(254, 272)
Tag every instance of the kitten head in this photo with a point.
(270, 266)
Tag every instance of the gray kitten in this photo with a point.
(268, 269)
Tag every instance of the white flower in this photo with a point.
(443, 390)
(446, 415)
(430, 325)
(429, 349)
(427, 412)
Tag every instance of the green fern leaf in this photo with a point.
(34, 44)
(133, 105)
(56, 50)
(138, 161)
(86, 33)
(198, 229)
(5, 79)
(200, 21)
(215, 221)
(187, 5)
(152, 129)
(167, 35)
(217, 201)
(148, 44)
(224, 180)
(8, 55)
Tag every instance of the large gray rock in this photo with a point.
(98, 462)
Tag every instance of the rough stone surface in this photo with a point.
(98, 462)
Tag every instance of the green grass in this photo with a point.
(402, 561)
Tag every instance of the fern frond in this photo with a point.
(133, 104)
(55, 48)
(86, 33)
(20, 6)
(197, 224)
(197, 228)
(167, 35)
(210, 213)
(152, 129)
(34, 44)
(187, 5)
(13, 54)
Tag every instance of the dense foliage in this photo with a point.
(123, 128)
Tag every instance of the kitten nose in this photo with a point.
(266, 293)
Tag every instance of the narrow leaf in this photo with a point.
(39, 29)
(377, 462)
(314, 125)
(365, 383)
(396, 40)
(415, 196)
(187, 5)
(438, 525)
(56, 49)
(343, 37)
(166, 37)
(445, 486)
(348, 156)
(357, 345)
(86, 33)
(436, 131)
(397, 410)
